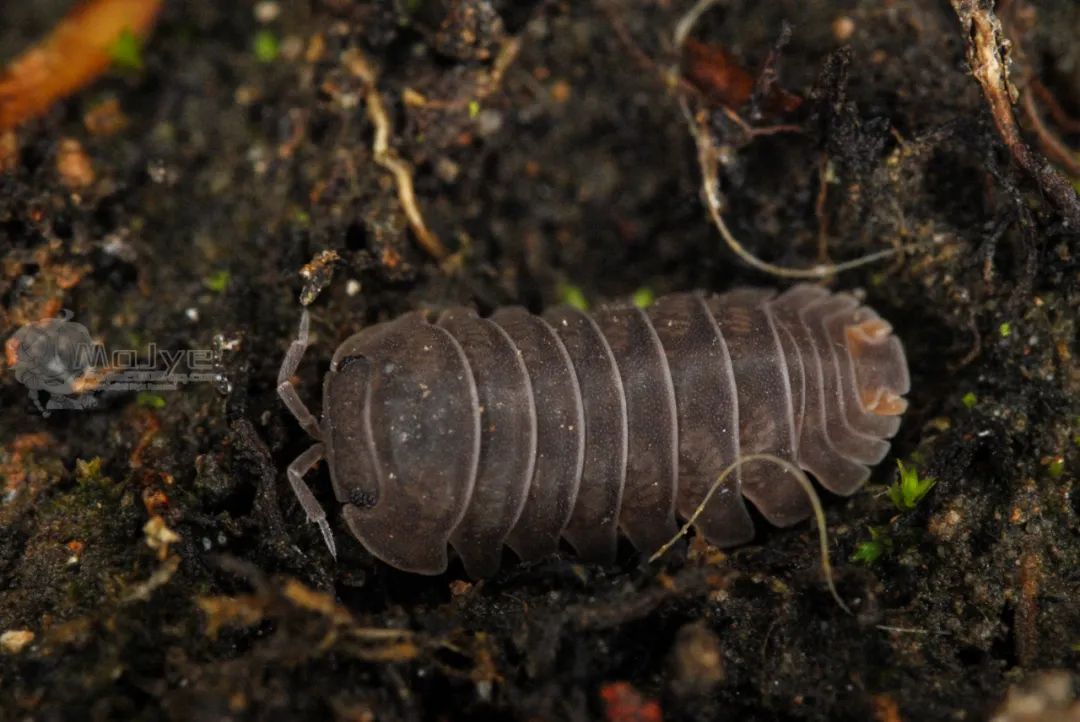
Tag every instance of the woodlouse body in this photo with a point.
(524, 429)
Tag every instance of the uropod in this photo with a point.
(456, 430)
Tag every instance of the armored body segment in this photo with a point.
(522, 429)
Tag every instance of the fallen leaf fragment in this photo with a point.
(73, 55)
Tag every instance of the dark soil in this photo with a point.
(576, 167)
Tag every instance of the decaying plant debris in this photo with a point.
(425, 154)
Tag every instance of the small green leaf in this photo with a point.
(868, 552)
(644, 297)
(1056, 467)
(474, 108)
(906, 493)
(149, 400)
(126, 52)
(573, 296)
(88, 471)
(1005, 329)
(217, 281)
(265, 46)
(969, 400)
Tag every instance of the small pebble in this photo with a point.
(267, 11)
(843, 28)
(697, 659)
(73, 164)
(14, 641)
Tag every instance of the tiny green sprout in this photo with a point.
(125, 52)
(150, 401)
(474, 108)
(868, 552)
(218, 281)
(1005, 329)
(910, 489)
(88, 471)
(573, 296)
(265, 46)
(1056, 467)
(644, 297)
(969, 400)
(302, 217)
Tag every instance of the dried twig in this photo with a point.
(388, 158)
(1061, 117)
(1050, 143)
(811, 494)
(988, 58)
(708, 159)
(72, 56)
(709, 162)
(484, 86)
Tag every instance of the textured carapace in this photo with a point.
(522, 429)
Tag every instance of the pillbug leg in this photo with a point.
(286, 390)
(300, 466)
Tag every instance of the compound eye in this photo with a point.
(344, 364)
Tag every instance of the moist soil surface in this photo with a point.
(154, 563)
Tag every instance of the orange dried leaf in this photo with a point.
(9, 151)
(72, 56)
(715, 72)
(623, 703)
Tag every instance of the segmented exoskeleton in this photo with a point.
(522, 429)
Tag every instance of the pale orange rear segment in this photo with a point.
(881, 371)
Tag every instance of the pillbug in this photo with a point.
(453, 429)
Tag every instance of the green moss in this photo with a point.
(149, 400)
(644, 297)
(868, 552)
(126, 51)
(1005, 329)
(217, 281)
(910, 489)
(1056, 467)
(265, 46)
(572, 296)
(88, 472)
